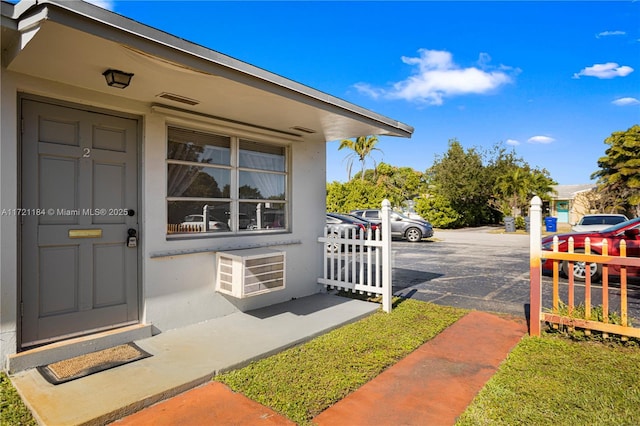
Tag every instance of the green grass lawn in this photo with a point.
(544, 381)
(303, 381)
(555, 381)
(12, 411)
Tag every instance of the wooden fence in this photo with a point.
(565, 312)
(359, 261)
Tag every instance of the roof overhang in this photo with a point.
(75, 42)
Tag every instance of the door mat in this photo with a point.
(84, 365)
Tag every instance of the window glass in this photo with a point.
(198, 147)
(188, 217)
(197, 181)
(262, 186)
(224, 184)
(613, 220)
(254, 155)
(263, 215)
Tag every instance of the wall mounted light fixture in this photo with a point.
(116, 78)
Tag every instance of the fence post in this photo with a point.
(387, 289)
(535, 266)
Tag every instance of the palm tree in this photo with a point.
(362, 148)
(514, 187)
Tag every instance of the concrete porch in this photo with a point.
(185, 358)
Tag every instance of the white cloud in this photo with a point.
(626, 101)
(540, 139)
(512, 142)
(610, 33)
(368, 90)
(436, 77)
(608, 70)
(105, 4)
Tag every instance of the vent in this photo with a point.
(303, 129)
(245, 273)
(178, 98)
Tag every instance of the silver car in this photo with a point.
(413, 230)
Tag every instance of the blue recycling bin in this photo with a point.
(551, 224)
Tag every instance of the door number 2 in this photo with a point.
(86, 152)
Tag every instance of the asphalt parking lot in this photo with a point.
(484, 270)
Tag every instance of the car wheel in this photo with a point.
(413, 235)
(333, 247)
(580, 270)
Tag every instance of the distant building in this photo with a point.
(566, 203)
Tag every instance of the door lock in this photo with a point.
(132, 239)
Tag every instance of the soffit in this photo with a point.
(61, 46)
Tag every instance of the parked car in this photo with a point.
(373, 224)
(598, 222)
(344, 226)
(196, 222)
(628, 231)
(413, 230)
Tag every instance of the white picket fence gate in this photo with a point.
(360, 261)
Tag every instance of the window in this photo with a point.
(224, 184)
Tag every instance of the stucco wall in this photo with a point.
(8, 223)
(186, 283)
(175, 289)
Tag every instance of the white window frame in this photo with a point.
(234, 199)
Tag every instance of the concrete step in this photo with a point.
(65, 349)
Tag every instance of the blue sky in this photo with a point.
(552, 80)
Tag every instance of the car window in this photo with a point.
(602, 220)
(373, 214)
(613, 220)
(589, 220)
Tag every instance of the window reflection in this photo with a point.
(197, 217)
(264, 215)
(187, 145)
(254, 155)
(195, 181)
(261, 186)
(218, 184)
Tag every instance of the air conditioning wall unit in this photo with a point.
(250, 272)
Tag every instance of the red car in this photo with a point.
(628, 231)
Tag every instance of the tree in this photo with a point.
(400, 183)
(459, 178)
(619, 176)
(352, 195)
(362, 148)
(513, 187)
(438, 211)
(514, 182)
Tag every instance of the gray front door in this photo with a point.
(79, 190)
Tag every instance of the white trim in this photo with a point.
(219, 125)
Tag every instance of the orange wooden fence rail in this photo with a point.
(536, 311)
(588, 323)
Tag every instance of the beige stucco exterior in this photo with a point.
(570, 202)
